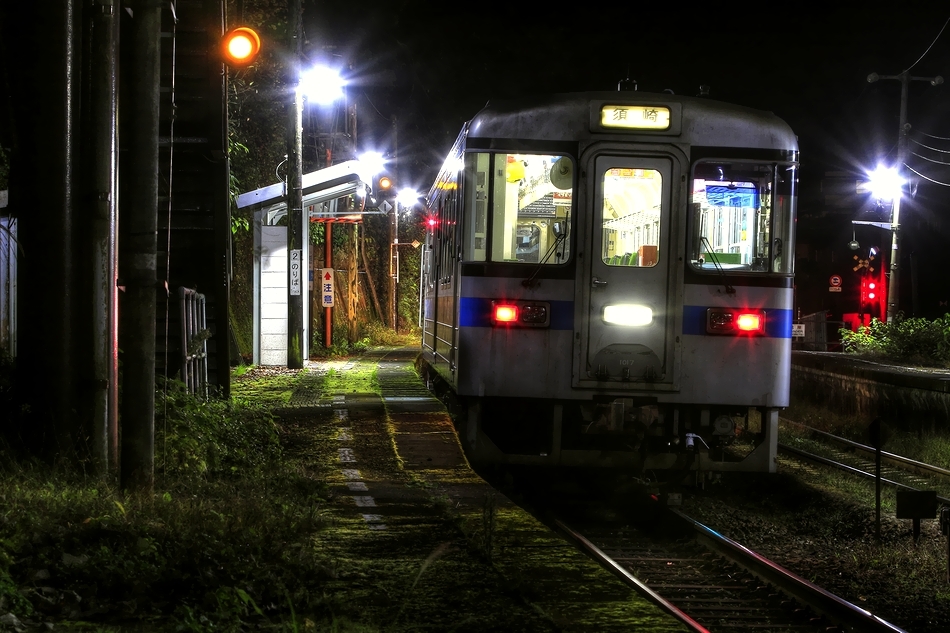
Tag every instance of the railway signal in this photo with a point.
(240, 46)
(384, 187)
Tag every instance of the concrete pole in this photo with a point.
(139, 250)
(295, 234)
(43, 195)
(893, 286)
(100, 180)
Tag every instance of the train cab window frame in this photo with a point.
(741, 216)
(518, 207)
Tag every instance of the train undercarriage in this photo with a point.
(623, 433)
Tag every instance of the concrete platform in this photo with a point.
(906, 397)
(396, 465)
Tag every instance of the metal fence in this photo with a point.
(821, 335)
(194, 342)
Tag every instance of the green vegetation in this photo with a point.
(910, 341)
(220, 545)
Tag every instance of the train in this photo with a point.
(607, 282)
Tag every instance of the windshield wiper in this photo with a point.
(715, 260)
(529, 282)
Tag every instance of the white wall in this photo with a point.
(273, 300)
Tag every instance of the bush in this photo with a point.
(195, 437)
(911, 341)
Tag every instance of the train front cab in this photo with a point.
(667, 347)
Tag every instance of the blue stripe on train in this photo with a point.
(778, 323)
(476, 312)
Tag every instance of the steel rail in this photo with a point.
(835, 608)
(894, 459)
(838, 610)
(849, 469)
(597, 554)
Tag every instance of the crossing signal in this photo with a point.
(240, 46)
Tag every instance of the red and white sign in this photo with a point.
(835, 280)
(326, 287)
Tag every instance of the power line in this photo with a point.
(936, 182)
(931, 45)
(930, 160)
(932, 149)
(939, 138)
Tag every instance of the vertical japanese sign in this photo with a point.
(296, 260)
(326, 287)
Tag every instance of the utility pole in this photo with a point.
(139, 270)
(394, 238)
(893, 286)
(295, 237)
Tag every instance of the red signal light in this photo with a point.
(240, 46)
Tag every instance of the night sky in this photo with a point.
(434, 65)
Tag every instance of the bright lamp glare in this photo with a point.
(321, 85)
(628, 314)
(407, 197)
(885, 183)
(371, 163)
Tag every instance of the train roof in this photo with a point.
(576, 117)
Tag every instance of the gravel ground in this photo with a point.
(827, 537)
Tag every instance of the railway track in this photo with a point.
(714, 584)
(858, 459)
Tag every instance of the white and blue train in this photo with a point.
(608, 281)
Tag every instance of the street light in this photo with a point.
(905, 78)
(321, 85)
(885, 183)
(371, 163)
(407, 197)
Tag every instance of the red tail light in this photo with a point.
(505, 313)
(750, 322)
(522, 314)
(732, 321)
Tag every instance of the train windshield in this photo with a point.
(518, 207)
(631, 217)
(742, 217)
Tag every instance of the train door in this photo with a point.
(629, 337)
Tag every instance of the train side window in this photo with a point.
(513, 202)
(631, 216)
(475, 189)
(742, 213)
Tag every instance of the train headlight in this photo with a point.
(629, 314)
(733, 321)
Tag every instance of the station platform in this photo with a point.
(405, 497)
